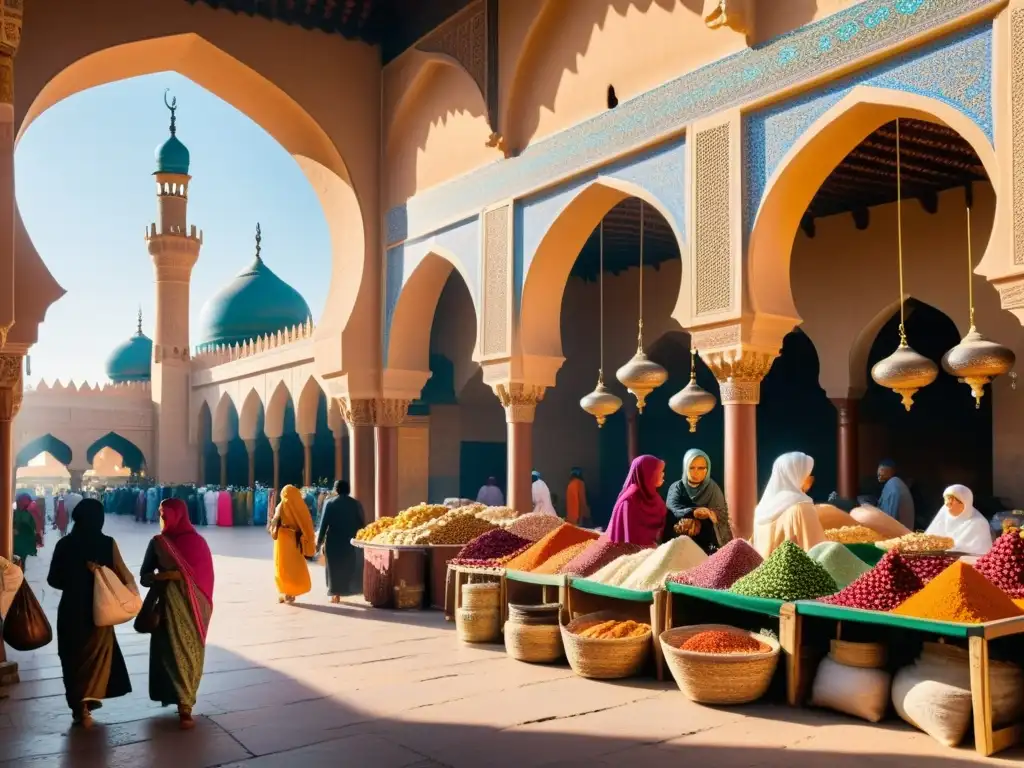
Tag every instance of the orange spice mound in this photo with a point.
(554, 563)
(959, 594)
(615, 630)
(722, 641)
(562, 537)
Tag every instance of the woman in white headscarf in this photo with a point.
(542, 496)
(786, 512)
(960, 521)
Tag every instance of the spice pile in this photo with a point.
(675, 555)
(534, 525)
(373, 529)
(927, 567)
(723, 641)
(1003, 565)
(724, 568)
(841, 564)
(555, 563)
(960, 594)
(562, 537)
(497, 514)
(917, 542)
(853, 534)
(882, 588)
(621, 568)
(787, 574)
(435, 524)
(456, 527)
(488, 549)
(597, 556)
(615, 630)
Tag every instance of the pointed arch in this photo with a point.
(249, 418)
(44, 443)
(309, 403)
(225, 419)
(280, 400)
(131, 455)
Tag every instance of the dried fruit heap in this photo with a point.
(374, 528)
(960, 594)
(724, 568)
(1003, 565)
(882, 588)
(615, 630)
(723, 641)
(787, 574)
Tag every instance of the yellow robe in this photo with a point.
(798, 524)
(292, 520)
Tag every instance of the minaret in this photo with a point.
(174, 246)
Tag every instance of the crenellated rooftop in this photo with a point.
(126, 389)
(227, 353)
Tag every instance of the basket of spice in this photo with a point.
(720, 664)
(532, 633)
(606, 645)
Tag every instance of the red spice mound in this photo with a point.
(1003, 565)
(562, 537)
(927, 567)
(960, 594)
(723, 641)
(882, 588)
(597, 556)
(724, 568)
(491, 546)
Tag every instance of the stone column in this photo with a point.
(388, 415)
(358, 415)
(77, 475)
(307, 459)
(520, 404)
(11, 383)
(275, 447)
(201, 465)
(250, 448)
(338, 456)
(848, 414)
(222, 450)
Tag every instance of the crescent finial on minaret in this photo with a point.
(172, 105)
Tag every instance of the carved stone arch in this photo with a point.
(225, 419)
(48, 443)
(248, 419)
(132, 456)
(280, 399)
(308, 403)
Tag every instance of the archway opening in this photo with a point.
(209, 473)
(109, 468)
(43, 469)
(131, 456)
(48, 444)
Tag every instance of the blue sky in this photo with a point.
(85, 190)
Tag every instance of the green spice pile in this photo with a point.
(841, 564)
(787, 574)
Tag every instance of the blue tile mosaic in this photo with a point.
(811, 51)
(956, 71)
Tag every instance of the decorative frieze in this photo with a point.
(1017, 129)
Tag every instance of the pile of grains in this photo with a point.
(620, 569)
(960, 594)
(562, 537)
(723, 641)
(554, 563)
(534, 525)
(491, 546)
(1003, 565)
(724, 568)
(374, 528)
(927, 567)
(841, 564)
(597, 556)
(615, 630)
(853, 534)
(787, 574)
(455, 529)
(917, 542)
(675, 555)
(496, 514)
(882, 588)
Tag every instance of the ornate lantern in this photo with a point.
(601, 403)
(641, 375)
(692, 401)
(904, 371)
(976, 360)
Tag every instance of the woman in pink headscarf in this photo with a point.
(639, 514)
(179, 564)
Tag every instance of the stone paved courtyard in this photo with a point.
(322, 685)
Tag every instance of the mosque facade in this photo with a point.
(517, 191)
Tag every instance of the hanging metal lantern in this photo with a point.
(692, 401)
(600, 403)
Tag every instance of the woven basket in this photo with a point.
(863, 655)
(535, 643)
(712, 678)
(480, 626)
(546, 614)
(408, 598)
(483, 596)
(604, 659)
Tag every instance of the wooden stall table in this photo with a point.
(987, 739)
(460, 575)
(583, 596)
(386, 566)
(438, 556)
(523, 588)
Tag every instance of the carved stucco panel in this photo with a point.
(497, 299)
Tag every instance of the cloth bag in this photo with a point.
(863, 693)
(11, 578)
(113, 603)
(26, 627)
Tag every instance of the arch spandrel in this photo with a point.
(280, 399)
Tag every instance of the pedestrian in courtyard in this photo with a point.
(26, 537)
(342, 519)
(91, 663)
(896, 500)
(577, 510)
(697, 506)
(639, 513)
(786, 512)
(179, 565)
(490, 494)
(541, 496)
(294, 541)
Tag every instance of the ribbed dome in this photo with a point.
(131, 360)
(172, 156)
(254, 303)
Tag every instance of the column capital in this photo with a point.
(11, 386)
(307, 440)
(390, 412)
(250, 446)
(356, 412)
(222, 447)
(519, 400)
(739, 371)
(275, 443)
(11, 18)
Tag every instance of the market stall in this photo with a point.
(394, 575)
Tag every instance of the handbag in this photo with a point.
(26, 627)
(113, 603)
(148, 620)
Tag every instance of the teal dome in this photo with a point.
(131, 360)
(172, 157)
(255, 303)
